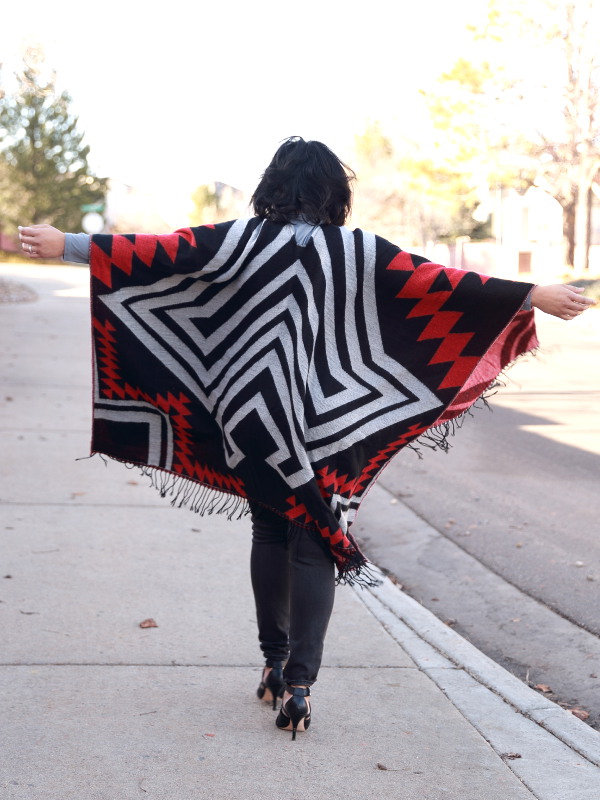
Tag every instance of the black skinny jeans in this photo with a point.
(293, 580)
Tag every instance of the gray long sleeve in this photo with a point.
(77, 248)
(527, 304)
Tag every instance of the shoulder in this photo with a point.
(239, 224)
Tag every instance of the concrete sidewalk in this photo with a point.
(95, 707)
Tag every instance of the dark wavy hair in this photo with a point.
(304, 178)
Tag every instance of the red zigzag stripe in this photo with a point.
(143, 246)
(181, 439)
(442, 322)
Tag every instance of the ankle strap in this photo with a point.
(298, 691)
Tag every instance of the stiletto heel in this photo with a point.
(294, 714)
(271, 685)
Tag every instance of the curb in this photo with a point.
(424, 631)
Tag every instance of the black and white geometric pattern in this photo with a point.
(224, 350)
(232, 358)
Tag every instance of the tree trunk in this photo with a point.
(569, 230)
(590, 203)
(582, 242)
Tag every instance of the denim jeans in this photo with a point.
(293, 580)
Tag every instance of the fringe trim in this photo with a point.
(438, 437)
(184, 492)
(362, 575)
(353, 567)
(198, 497)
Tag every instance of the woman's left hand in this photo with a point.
(560, 300)
(42, 241)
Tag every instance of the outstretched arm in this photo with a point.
(205, 248)
(560, 300)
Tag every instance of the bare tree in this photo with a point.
(527, 109)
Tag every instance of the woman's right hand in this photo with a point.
(42, 241)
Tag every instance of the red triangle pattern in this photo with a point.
(331, 483)
(298, 513)
(442, 322)
(143, 245)
(402, 261)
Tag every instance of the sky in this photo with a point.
(173, 95)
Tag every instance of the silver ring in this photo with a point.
(31, 248)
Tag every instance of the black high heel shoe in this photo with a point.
(294, 714)
(271, 685)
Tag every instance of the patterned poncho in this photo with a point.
(233, 364)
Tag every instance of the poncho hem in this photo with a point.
(171, 312)
(203, 498)
(438, 436)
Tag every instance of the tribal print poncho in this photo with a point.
(233, 364)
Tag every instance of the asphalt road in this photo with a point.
(516, 502)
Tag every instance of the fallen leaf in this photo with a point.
(519, 544)
(132, 483)
(450, 622)
(511, 756)
(148, 623)
(543, 687)
(381, 766)
(579, 713)
(209, 735)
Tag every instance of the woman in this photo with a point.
(279, 362)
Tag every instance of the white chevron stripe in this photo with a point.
(152, 420)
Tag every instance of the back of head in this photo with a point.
(304, 179)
